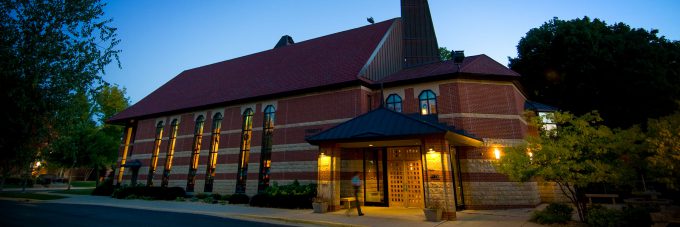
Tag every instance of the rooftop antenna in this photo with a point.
(370, 20)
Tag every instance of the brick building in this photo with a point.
(375, 99)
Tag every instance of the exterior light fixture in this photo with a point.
(430, 150)
(370, 145)
(497, 153)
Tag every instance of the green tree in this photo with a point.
(627, 74)
(49, 51)
(663, 146)
(84, 140)
(444, 54)
(578, 153)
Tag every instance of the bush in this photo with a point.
(201, 195)
(629, 216)
(105, 188)
(554, 213)
(601, 216)
(216, 196)
(155, 193)
(208, 200)
(226, 197)
(239, 199)
(260, 200)
(290, 196)
(637, 216)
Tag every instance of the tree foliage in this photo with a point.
(51, 53)
(663, 150)
(579, 152)
(627, 74)
(83, 139)
(444, 54)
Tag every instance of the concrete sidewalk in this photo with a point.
(375, 216)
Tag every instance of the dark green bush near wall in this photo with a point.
(156, 193)
(292, 196)
(554, 213)
(239, 199)
(105, 188)
(629, 216)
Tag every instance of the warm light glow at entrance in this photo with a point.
(434, 160)
(497, 153)
(324, 160)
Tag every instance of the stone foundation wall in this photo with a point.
(491, 195)
(550, 193)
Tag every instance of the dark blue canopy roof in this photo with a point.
(540, 107)
(383, 123)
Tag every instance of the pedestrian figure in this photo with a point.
(356, 183)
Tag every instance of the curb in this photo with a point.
(248, 217)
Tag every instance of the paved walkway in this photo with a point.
(375, 216)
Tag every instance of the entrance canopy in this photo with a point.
(386, 126)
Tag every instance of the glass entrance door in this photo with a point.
(374, 177)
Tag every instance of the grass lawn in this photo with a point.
(84, 184)
(76, 191)
(29, 195)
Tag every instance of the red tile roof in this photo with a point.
(327, 60)
(478, 64)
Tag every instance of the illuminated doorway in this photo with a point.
(405, 182)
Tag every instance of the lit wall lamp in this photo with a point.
(497, 153)
(430, 150)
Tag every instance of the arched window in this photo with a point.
(195, 153)
(212, 158)
(246, 136)
(266, 154)
(394, 102)
(154, 154)
(171, 152)
(428, 102)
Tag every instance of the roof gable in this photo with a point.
(478, 65)
(331, 59)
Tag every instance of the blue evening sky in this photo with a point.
(160, 39)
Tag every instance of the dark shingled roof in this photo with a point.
(384, 123)
(331, 59)
(478, 64)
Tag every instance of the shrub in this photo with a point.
(216, 196)
(201, 195)
(637, 216)
(226, 197)
(601, 216)
(155, 193)
(208, 200)
(239, 199)
(291, 196)
(260, 200)
(554, 213)
(105, 188)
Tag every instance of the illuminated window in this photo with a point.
(246, 135)
(547, 118)
(154, 154)
(212, 158)
(171, 152)
(266, 154)
(428, 102)
(195, 153)
(394, 102)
